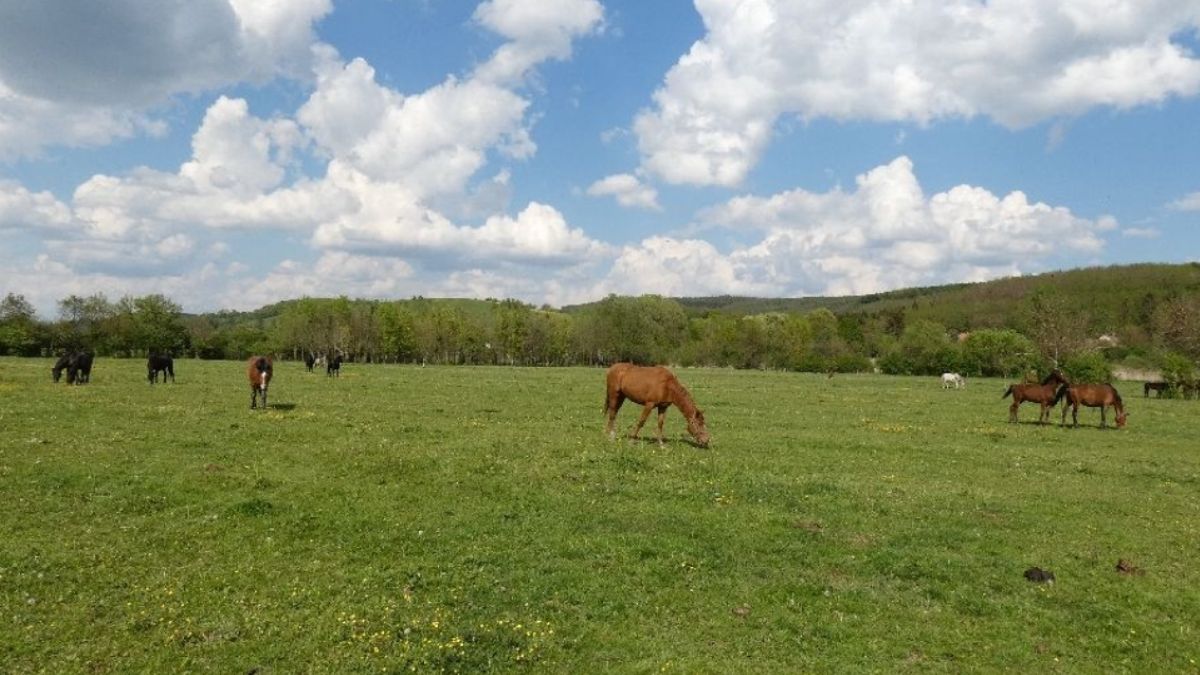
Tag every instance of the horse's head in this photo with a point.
(56, 373)
(698, 430)
(1121, 417)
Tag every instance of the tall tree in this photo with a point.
(158, 325)
(1056, 325)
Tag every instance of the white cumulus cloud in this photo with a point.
(1017, 62)
(886, 233)
(628, 190)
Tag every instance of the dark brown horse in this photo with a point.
(1093, 396)
(652, 387)
(1042, 394)
(1160, 387)
(258, 371)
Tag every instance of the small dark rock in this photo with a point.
(1039, 575)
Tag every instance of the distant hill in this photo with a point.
(1112, 296)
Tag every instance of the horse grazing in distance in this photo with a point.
(1093, 396)
(1043, 394)
(60, 365)
(1160, 387)
(953, 380)
(258, 371)
(334, 366)
(80, 370)
(160, 363)
(652, 387)
(309, 360)
(78, 366)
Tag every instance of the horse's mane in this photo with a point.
(683, 398)
(1055, 375)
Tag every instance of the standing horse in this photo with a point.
(953, 380)
(1042, 394)
(309, 360)
(334, 366)
(652, 387)
(258, 371)
(160, 363)
(1093, 396)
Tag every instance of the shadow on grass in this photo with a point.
(283, 406)
(667, 441)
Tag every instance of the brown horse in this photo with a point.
(258, 371)
(1093, 396)
(1042, 394)
(653, 387)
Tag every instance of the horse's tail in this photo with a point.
(1007, 392)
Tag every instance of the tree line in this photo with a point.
(1048, 329)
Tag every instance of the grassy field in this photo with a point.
(469, 519)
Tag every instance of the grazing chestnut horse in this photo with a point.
(258, 370)
(1042, 394)
(652, 387)
(1093, 396)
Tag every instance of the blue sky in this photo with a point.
(232, 153)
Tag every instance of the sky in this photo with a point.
(234, 153)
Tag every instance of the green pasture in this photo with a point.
(472, 519)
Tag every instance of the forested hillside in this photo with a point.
(1086, 319)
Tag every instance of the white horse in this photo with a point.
(953, 380)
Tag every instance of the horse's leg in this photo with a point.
(253, 398)
(614, 404)
(1103, 417)
(662, 416)
(642, 419)
(1074, 414)
(1012, 410)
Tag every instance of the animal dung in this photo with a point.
(1126, 567)
(1039, 575)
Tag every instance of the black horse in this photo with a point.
(79, 369)
(78, 366)
(309, 360)
(160, 363)
(334, 366)
(60, 365)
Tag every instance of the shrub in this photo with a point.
(1085, 367)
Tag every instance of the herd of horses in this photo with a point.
(657, 388)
